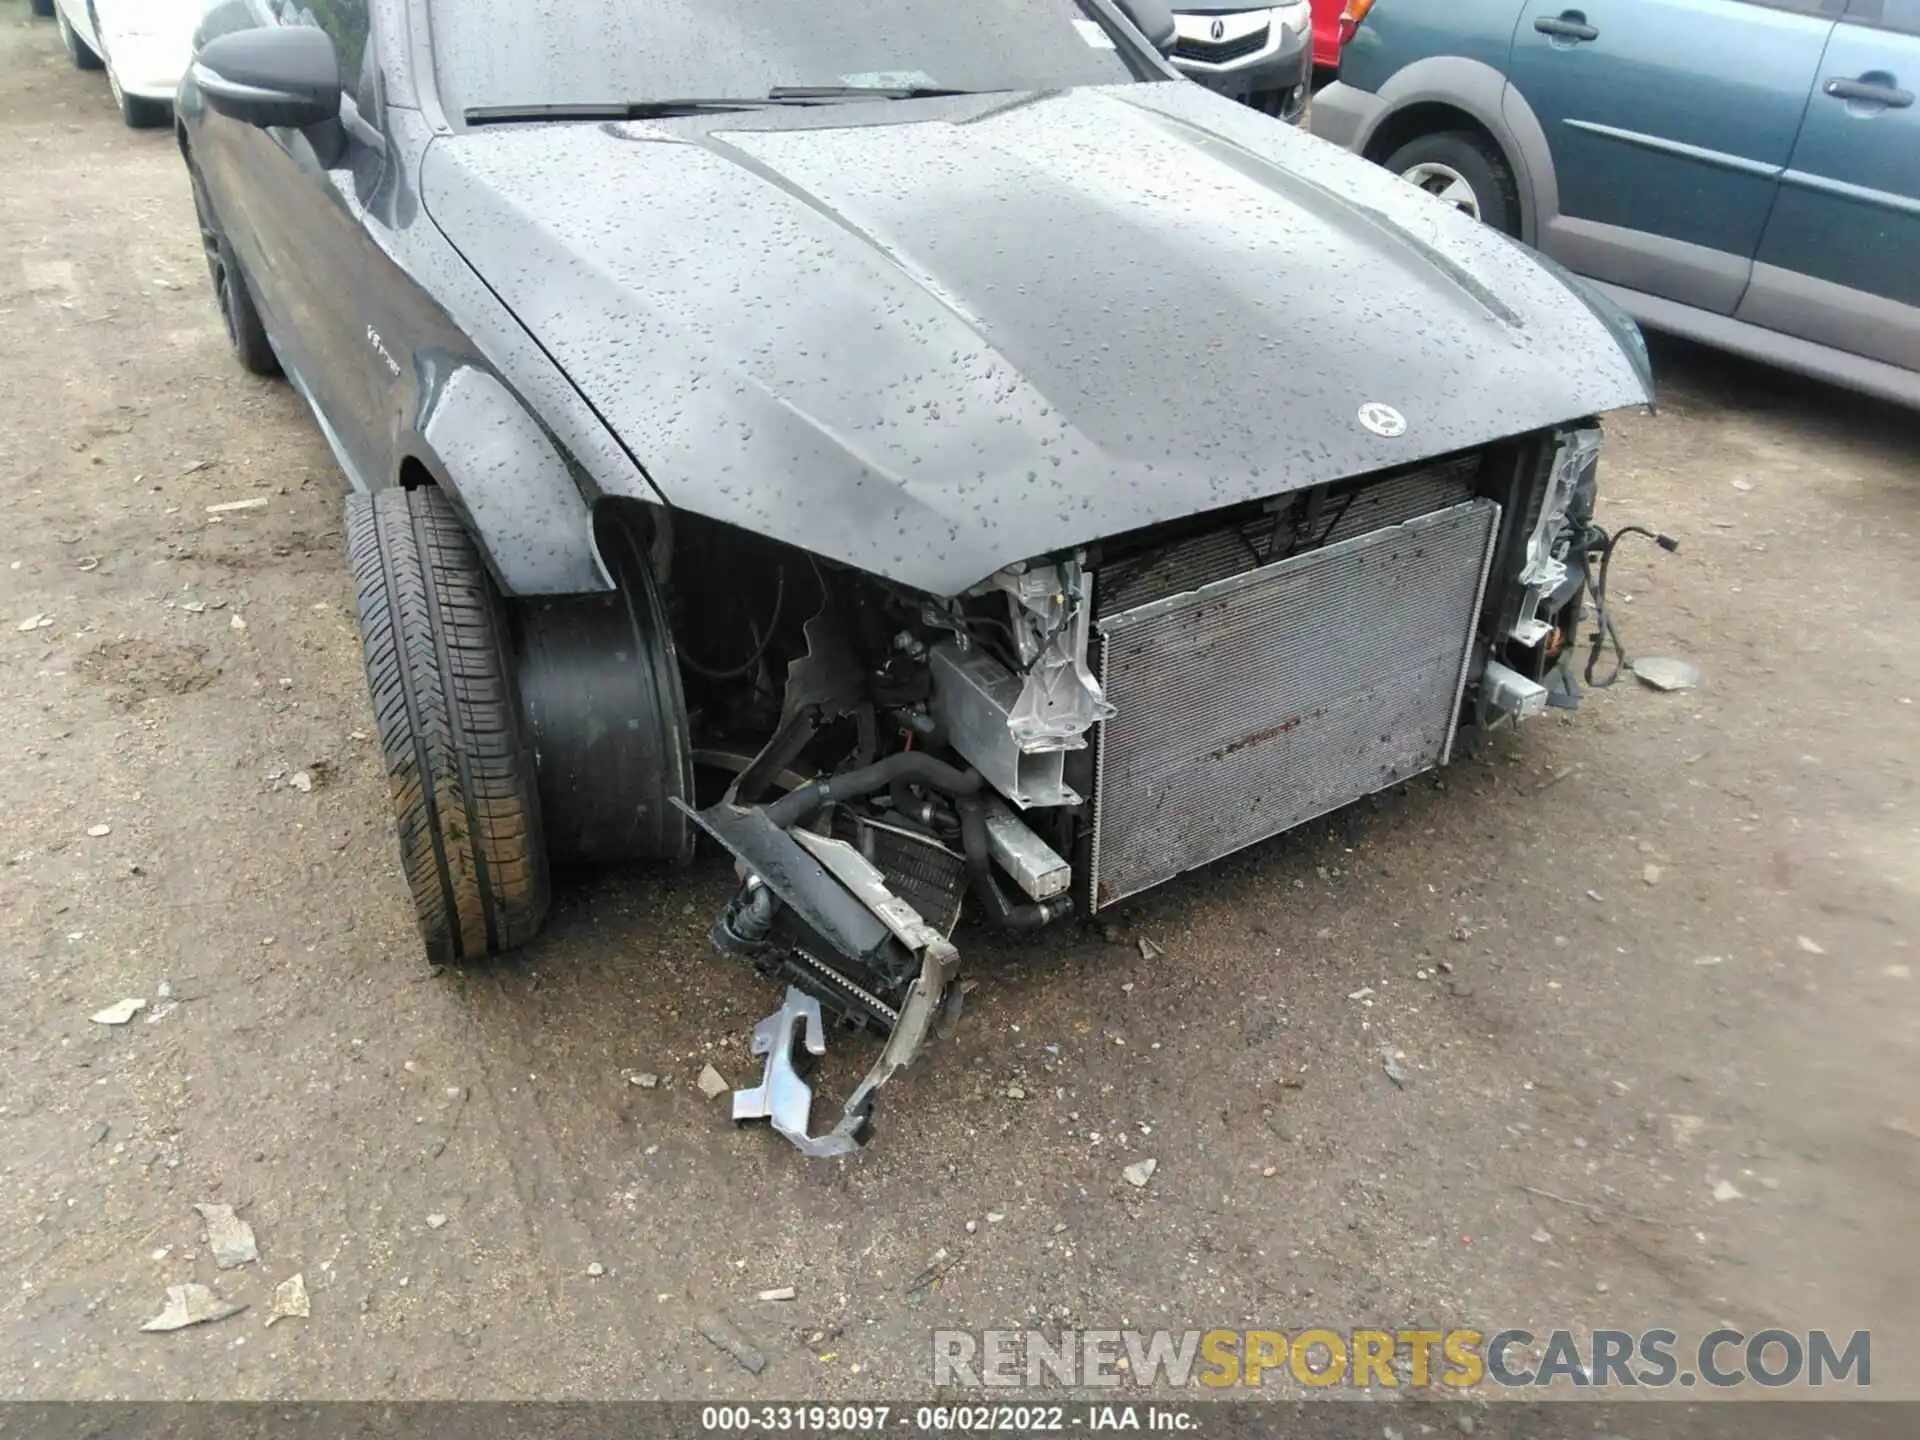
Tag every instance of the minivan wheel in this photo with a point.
(245, 332)
(78, 51)
(465, 799)
(1463, 170)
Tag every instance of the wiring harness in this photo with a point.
(1596, 548)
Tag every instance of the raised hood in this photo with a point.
(929, 338)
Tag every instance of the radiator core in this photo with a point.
(1256, 702)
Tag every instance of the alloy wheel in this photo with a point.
(215, 250)
(223, 297)
(1445, 184)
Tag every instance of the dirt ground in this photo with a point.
(1661, 949)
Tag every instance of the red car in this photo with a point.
(1333, 22)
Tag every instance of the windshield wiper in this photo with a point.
(664, 109)
(861, 92)
(609, 110)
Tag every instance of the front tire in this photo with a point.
(465, 795)
(1466, 171)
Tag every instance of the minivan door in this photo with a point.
(1669, 122)
(1840, 261)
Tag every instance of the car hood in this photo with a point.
(159, 22)
(151, 41)
(929, 338)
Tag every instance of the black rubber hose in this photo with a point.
(1002, 911)
(963, 786)
(803, 804)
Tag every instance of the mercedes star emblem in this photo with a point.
(1383, 419)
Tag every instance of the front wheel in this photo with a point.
(1466, 171)
(465, 795)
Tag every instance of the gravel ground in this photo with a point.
(1626, 962)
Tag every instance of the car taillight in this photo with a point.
(1351, 17)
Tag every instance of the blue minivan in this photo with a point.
(1742, 172)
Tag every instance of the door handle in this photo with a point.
(1569, 25)
(1874, 93)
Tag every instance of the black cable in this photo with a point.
(1597, 542)
(773, 627)
(1009, 656)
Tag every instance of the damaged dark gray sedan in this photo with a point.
(933, 451)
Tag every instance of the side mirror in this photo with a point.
(1152, 19)
(288, 75)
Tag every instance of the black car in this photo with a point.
(931, 450)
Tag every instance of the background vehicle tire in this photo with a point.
(136, 112)
(465, 797)
(142, 114)
(1464, 170)
(43, 8)
(78, 51)
(244, 331)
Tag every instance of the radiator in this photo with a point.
(1257, 702)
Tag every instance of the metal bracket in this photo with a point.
(1505, 691)
(782, 1096)
(785, 1099)
(820, 899)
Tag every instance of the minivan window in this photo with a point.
(1901, 15)
(508, 53)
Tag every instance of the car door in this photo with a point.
(239, 167)
(322, 182)
(1840, 261)
(291, 203)
(1669, 123)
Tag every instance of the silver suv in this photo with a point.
(1262, 54)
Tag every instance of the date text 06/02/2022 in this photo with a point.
(944, 1419)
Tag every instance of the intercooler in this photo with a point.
(1251, 703)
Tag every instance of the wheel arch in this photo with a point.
(521, 498)
(1453, 92)
(597, 686)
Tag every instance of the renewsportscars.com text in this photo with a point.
(1389, 1359)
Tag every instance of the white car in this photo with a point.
(144, 46)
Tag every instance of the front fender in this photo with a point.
(507, 476)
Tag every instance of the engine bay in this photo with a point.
(1076, 729)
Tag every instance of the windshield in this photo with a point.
(512, 53)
